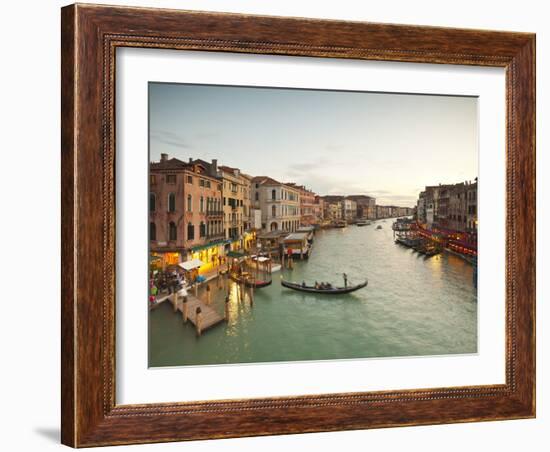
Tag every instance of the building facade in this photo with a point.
(366, 206)
(279, 204)
(184, 208)
(309, 212)
(450, 206)
(349, 209)
(332, 207)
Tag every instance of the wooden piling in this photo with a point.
(175, 300)
(208, 295)
(251, 295)
(184, 311)
(198, 321)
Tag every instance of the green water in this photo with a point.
(412, 306)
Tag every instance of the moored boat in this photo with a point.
(249, 281)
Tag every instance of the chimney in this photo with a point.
(190, 160)
(163, 157)
(214, 167)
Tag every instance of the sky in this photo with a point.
(389, 146)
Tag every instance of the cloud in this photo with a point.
(299, 169)
(170, 138)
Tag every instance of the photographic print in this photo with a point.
(297, 224)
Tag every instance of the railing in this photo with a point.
(214, 212)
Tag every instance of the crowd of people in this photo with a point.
(165, 282)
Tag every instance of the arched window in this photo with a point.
(172, 231)
(273, 194)
(189, 203)
(273, 226)
(190, 232)
(257, 196)
(202, 229)
(152, 231)
(202, 204)
(273, 211)
(171, 202)
(152, 202)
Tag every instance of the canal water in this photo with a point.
(412, 306)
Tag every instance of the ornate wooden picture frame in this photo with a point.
(90, 37)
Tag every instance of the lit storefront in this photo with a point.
(209, 254)
(163, 260)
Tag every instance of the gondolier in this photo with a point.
(345, 280)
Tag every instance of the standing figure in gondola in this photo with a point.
(345, 280)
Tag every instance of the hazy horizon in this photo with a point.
(389, 146)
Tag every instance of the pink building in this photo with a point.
(185, 209)
(308, 207)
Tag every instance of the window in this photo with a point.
(207, 184)
(189, 203)
(152, 179)
(273, 194)
(273, 211)
(202, 229)
(152, 231)
(201, 182)
(202, 204)
(257, 196)
(172, 231)
(190, 231)
(171, 178)
(171, 202)
(152, 202)
(190, 180)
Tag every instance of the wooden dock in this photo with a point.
(210, 316)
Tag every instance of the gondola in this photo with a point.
(331, 291)
(257, 284)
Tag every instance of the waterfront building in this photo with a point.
(366, 206)
(308, 207)
(318, 209)
(279, 204)
(332, 207)
(236, 204)
(471, 208)
(450, 206)
(421, 208)
(184, 210)
(383, 211)
(349, 209)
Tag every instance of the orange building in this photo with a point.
(185, 211)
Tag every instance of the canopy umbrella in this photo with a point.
(192, 264)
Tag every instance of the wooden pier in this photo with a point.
(210, 316)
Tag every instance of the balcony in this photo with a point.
(215, 236)
(214, 213)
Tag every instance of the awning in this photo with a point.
(260, 259)
(190, 265)
(209, 245)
